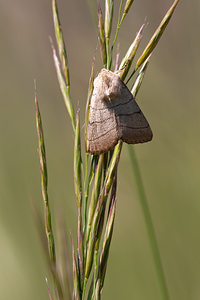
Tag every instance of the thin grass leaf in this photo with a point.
(95, 277)
(90, 249)
(108, 26)
(78, 191)
(97, 292)
(140, 77)
(108, 234)
(41, 230)
(102, 39)
(89, 96)
(99, 209)
(118, 24)
(149, 225)
(95, 192)
(128, 58)
(88, 180)
(116, 34)
(64, 256)
(60, 43)
(157, 35)
(87, 185)
(77, 289)
(94, 239)
(77, 162)
(111, 170)
(64, 88)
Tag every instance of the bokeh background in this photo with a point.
(169, 165)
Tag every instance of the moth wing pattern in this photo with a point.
(101, 126)
(131, 123)
(114, 115)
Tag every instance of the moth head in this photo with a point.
(108, 85)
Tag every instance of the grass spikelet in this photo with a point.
(137, 84)
(43, 175)
(60, 43)
(64, 88)
(128, 59)
(102, 39)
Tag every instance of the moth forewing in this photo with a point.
(114, 115)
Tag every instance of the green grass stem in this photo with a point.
(149, 225)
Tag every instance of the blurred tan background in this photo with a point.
(170, 164)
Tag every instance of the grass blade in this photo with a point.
(149, 225)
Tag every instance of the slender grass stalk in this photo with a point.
(108, 26)
(47, 212)
(143, 198)
(102, 38)
(149, 225)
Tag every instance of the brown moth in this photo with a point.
(114, 115)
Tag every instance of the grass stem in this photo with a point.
(149, 225)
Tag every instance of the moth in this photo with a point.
(114, 115)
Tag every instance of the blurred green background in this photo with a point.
(169, 165)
